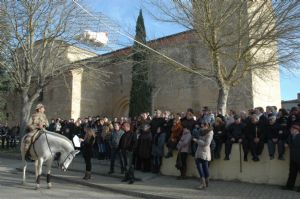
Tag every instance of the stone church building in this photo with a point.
(102, 86)
(84, 93)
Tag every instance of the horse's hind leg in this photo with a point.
(49, 164)
(38, 170)
(24, 163)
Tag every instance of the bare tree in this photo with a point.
(41, 33)
(239, 36)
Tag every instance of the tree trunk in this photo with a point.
(25, 114)
(222, 99)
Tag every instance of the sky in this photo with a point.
(123, 14)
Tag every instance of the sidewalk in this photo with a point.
(155, 186)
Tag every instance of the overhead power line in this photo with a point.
(178, 64)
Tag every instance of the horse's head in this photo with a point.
(64, 160)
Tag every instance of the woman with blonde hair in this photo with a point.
(87, 150)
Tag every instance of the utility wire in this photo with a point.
(180, 65)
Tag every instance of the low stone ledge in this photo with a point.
(265, 171)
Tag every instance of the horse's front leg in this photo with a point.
(24, 170)
(38, 170)
(49, 164)
(36, 165)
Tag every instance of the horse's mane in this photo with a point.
(59, 135)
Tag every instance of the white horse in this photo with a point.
(47, 147)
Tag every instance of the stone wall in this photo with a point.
(95, 96)
(120, 88)
(57, 98)
(178, 90)
(174, 89)
(265, 171)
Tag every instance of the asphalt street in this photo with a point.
(12, 188)
(71, 185)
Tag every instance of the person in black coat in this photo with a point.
(4, 130)
(196, 133)
(188, 121)
(128, 145)
(51, 126)
(294, 145)
(219, 136)
(255, 134)
(272, 136)
(283, 131)
(157, 121)
(158, 150)
(87, 150)
(167, 126)
(144, 150)
(235, 134)
(262, 121)
(292, 117)
(14, 132)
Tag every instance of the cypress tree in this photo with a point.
(141, 89)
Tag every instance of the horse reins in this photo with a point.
(49, 147)
(67, 158)
(36, 138)
(48, 144)
(52, 153)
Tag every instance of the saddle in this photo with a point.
(29, 141)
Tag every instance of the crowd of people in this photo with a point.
(201, 134)
(138, 143)
(9, 136)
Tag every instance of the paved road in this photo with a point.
(150, 185)
(11, 187)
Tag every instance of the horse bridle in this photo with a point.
(63, 164)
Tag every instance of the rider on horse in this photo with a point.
(37, 121)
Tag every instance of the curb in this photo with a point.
(103, 174)
(105, 188)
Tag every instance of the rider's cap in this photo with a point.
(38, 106)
